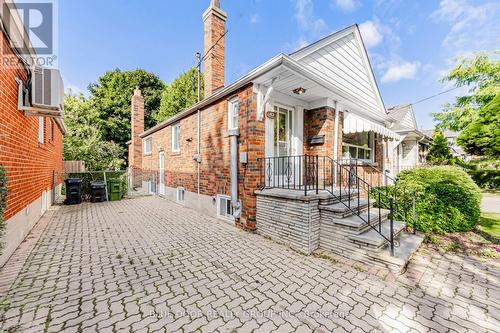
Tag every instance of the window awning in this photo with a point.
(356, 124)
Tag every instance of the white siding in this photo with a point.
(409, 120)
(342, 64)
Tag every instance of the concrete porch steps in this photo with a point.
(373, 239)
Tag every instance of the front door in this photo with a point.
(282, 146)
(161, 182)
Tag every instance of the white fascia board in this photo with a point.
(307, 50)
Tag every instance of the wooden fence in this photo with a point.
(73, 166)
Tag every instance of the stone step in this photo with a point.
(346, 208)
(373, 239)
(407, 245)
(359, 223)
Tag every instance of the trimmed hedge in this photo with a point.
(448, 200)
(3, 202)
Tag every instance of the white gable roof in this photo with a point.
(342, 60)
(404, 116)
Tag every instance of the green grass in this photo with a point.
(490, 224)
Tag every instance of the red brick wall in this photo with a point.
(181, 170)
(29, 164)
(319, 122)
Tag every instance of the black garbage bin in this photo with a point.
(97, 191)
(73, 191)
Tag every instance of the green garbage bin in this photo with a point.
(115, 189)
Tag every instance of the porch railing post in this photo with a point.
(391, 225)
(317, 174)
(305, 175)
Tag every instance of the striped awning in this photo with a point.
(356, 124)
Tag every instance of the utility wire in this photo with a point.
(427, 98)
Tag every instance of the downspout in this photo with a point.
(198, 150)
(233, 135)
(336, 142)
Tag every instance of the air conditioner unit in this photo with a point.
(47, 89)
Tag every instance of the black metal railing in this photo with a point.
(351, 179)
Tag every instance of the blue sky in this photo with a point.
(411, 43)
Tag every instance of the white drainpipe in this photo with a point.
(233, 134)
(336, 141)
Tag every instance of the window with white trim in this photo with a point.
(148, 146)
(358, 146)
(176, 137)
(180, 194)
(41, 129)
(224, 208)
(234, 109)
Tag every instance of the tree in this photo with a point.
(84, 140)
(439, 150)
(110, 98)
(179, 95)
(475, 114)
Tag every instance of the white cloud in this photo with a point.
(400, 70)
(254, 18)
(304, 14)
(371, 34)
(473, 27)
(347, 5)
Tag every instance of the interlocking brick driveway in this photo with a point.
(146, 264)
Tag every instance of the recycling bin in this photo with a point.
(97, 191)
(115, 189)
(73, 191)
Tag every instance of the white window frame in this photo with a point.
(176, 136)
(41, 129)
(371, 141)
(148, 143)
(233, 113)
(181, 194)
(229, 217)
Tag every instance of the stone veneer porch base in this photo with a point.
(313, 222)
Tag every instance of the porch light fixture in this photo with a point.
(299, 91)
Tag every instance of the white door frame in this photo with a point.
(161, 173)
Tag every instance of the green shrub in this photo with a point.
(448, 200)
(487, 179)
(3, 202)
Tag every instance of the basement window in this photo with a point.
(148, 146)
(180, 194)
(224, 208)
(176, 137)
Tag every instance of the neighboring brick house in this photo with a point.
(30, 147)
(322, 100)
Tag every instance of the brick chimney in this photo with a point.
(135, 156)
(214, 24)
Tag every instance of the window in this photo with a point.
(224, 208)
(180, 194)
(148, 146)
(176, 137)
(234, 109)
(358, 146)
(41, 129)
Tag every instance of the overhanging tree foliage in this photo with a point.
(179, 95)
(110, 98)
(84, 139)
(439, 150)
(476, 114)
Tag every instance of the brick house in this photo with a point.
(233, 154)
(30, 140)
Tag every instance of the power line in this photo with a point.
(427, 98)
